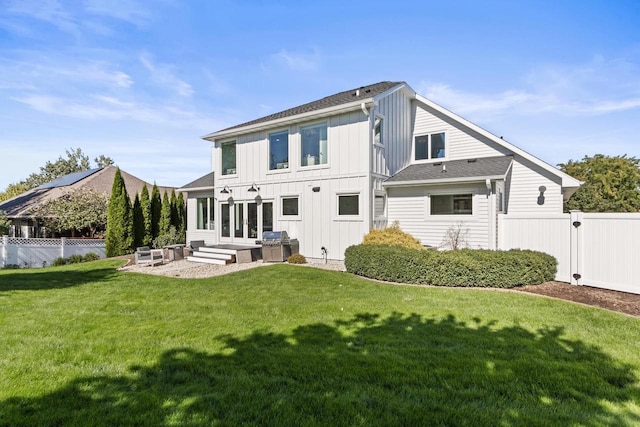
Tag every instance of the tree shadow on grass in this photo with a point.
(401, 370)
(52, 278)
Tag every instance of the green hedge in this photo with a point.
(466, 267)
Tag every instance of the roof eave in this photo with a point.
(212, 137)
(459, 180)
(185, 190)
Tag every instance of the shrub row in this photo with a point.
(466, 267)
(74, 259)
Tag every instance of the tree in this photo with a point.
(119, 239)
(165, 216)
(173, 202)
(102, 161)
(138, 223)
(182, 219)
(156, 207)
(5, 223)
(611, 184)
(145, 205)
(76, 211)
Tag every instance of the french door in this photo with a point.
(244, 221)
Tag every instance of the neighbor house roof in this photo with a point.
(203, 183)
(100, 179)
(353, 96)
(478, 169)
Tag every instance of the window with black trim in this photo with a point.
(348, 204)
(290, 206)
(452, 204)
(279, 150)
(430, 146)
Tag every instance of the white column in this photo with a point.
(5, 243)
(62, 242)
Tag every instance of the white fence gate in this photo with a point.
(594, 249)
(35, 253)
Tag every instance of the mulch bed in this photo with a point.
(612, 300)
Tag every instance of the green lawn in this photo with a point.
(287, 345)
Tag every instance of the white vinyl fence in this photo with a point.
(35, 253)
(594, 249)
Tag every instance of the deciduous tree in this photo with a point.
(83, 209)
(611, 184)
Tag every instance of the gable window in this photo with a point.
(290, 206)
(313, 145)
(279, 150)
(431, 146)
(205, 220)
(348, 204)
(377, 131)
(452, 204)
(229, 158)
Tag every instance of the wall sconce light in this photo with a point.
(226, 190)
(254, 188)
(315, 189)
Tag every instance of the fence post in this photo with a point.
(62, 242)
(575, 224)
(5, 243)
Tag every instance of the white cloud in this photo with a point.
(50, 11)
(299, 61)
(163, 75)
(598, 87)
(125, 10)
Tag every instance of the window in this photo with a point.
(348, 204)
(377, 131)
(279, 150)
(267, 216)
(226, 220)
(205, 213)
(379, 202)
(430, 146)
(314, 145)
(229, 158)
(452, 204)
(290, 206)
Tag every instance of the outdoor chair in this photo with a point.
(147, 256)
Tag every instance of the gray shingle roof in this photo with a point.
(365, 92)
(205, 181)
(453, 170)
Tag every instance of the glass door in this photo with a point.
(244, 221)
(252, 220)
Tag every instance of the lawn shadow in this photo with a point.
(53, 277)
(401, 370)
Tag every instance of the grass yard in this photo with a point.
(284, 345)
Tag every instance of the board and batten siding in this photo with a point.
(409, 206)
(395, 152)
(193, 233)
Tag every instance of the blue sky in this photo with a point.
(142, 81)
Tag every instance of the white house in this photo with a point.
(330, 170)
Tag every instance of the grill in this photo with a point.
(277, 246)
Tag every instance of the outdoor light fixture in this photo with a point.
(226, 190)
(254, 188)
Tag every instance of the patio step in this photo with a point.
(209, 254)
(217, 250)
(208, 260)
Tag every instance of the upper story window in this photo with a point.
(377, 131)
(452, 204)
(431, 146)
(279, 150)
(313, 145)
(348, 204)
(228, 158)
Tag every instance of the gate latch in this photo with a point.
(577, 224)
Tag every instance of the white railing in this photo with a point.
(35, 253)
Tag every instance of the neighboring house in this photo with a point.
(330, 170)
(19, 209)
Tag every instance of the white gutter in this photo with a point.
(442, 181)
(186, 190)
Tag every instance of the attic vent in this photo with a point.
(471, 160)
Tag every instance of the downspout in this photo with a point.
(364, 109)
